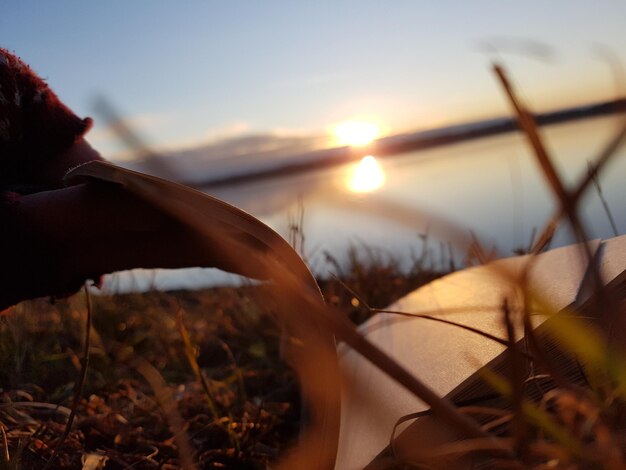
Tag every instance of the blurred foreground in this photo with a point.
(250, 415)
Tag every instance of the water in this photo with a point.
(492, 186)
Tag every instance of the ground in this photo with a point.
(214, 353)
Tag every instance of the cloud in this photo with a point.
(211, 136)
(259, 147)
(229, 131)
(234, 155)
(228, 156)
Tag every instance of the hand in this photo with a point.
(53, 170)
(53, 241)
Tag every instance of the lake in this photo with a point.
(491, 186)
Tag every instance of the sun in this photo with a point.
(355, 133)
(367, 176)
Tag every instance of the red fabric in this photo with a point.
(34, 124)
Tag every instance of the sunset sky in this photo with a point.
(189, 73)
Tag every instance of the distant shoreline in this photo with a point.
(405, 143)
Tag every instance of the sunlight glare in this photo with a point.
(355, 133)
(367, 176)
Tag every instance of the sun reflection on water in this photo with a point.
(367, 176)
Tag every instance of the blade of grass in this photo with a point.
(601, 161)
(78, 390)
(528, 125)
(347, 332)
(533, 414)
(585, 180)
(520, 434)
(168, 404)
(237, 370)
(5, 443)
(464, 447)
(190, 354)
(589, 345)
(471, 329)
(568, 206)
(354, 293)
(547, 234)
(605, 205)
(539, 352)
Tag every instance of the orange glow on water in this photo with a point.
(367, 176)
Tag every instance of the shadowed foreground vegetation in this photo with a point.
(241, 411)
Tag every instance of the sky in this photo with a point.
(188, 74)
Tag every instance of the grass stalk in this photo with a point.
(190, 354)
(78, 390)
(605, 205)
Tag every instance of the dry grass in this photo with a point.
(558, 398)
(216, 349)
(233, 341)
(197, 380)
